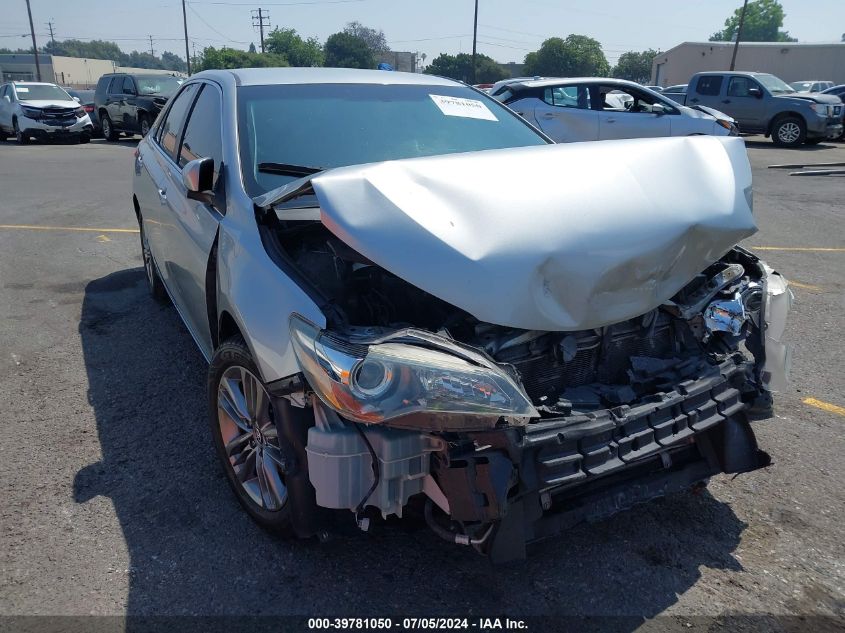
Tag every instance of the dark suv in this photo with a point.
(130, 103)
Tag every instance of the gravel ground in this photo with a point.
(113, 502)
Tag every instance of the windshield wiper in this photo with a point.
(284, 169)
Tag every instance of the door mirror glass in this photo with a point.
(198, 178)
(76, 99)
(755, 92)
(6, 97)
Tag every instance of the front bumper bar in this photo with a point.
(581, 467)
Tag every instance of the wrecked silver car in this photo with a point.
(413, 303)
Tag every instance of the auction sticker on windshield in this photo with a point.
(468, 108)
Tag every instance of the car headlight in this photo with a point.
(30, 113)
(820, 108)
(79, 112)
(404, 384)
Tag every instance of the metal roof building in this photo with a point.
(791, 61)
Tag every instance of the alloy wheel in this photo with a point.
(250, 438)
(106, 125)
(145, 126)
(789, 132)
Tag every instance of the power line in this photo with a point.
(203, 20)
(258, 15)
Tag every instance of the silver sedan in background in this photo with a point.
(412, 300)
(590, 109)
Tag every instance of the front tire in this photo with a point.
(20, 137)
(246, 440)
(790, 131)
(108, 129)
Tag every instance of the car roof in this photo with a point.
(271, 76)
(556, 81)
(33, 83)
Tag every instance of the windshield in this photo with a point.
(164, 86)
(43, 92)
(331, 125)
(774, 85)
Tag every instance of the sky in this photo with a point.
(507, 29)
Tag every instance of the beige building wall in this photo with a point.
(789, 61)
(79, 72)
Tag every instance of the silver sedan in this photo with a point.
(412, 299)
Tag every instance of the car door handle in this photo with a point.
(693, 100)
(610, 120)
(162, 196)
(726, 100)
(548, 115)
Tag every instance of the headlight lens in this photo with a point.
(31, 113)
(820, 108)
(79, 112)
(385, 381)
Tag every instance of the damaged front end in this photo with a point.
(507, 433)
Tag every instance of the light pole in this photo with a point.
(739, 33)
(474, 38)
(34, 45)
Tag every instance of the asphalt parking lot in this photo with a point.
(113, 503)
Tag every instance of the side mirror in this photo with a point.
(658, 108)
(755, 92)
(198, 178)
(76, 99)
(7, 98)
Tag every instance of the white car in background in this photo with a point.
(590, 109)
(41, 110)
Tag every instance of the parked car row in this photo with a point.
(41, 110)
(457, 317)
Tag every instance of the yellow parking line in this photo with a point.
(809, 249)
(825, 406)
(32, 227)
(798, 284)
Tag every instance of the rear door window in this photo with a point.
(128, 86)
(568, 97)
(171, 128)
(709, 85)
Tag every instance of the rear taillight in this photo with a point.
(88, 108)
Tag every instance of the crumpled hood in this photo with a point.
(557, 237)
(810, 96)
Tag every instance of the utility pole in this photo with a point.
(258, 17)
(52, 39)
(739, 33)
(474, 38)
(187, 51)
(152, 50)
(34, 45)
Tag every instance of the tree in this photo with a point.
(252, 47)
(298, 52)
(233, 58)
(459, 67)
(576, 56)
(343, 50)
(171, 61)
(375, 39)
(635, 66)
(763, 19)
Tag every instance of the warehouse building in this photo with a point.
(791, 61)
(74, 72)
